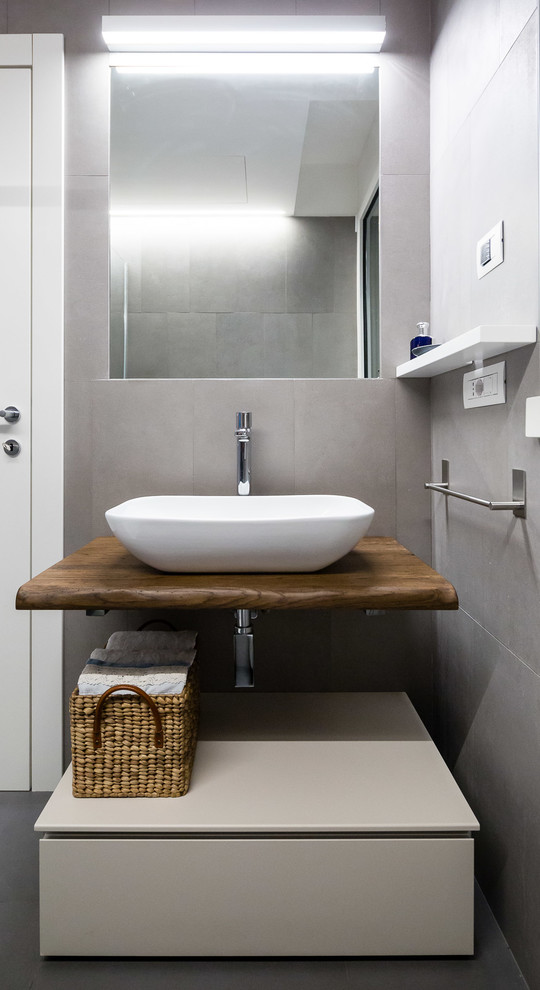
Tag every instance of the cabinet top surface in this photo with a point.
(378, 573)
(351, 763)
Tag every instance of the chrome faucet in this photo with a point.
(243, 453)
(243, 632)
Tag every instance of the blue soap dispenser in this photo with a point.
(422, 338)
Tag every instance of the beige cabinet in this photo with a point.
(345, 836)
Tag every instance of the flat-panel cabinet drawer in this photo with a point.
(252, 896)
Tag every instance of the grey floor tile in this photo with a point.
(18, 879)
(18, 849)
(16, 973)
(19, 943)
(219, 974)
(491, 968)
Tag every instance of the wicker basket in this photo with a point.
(134, 745)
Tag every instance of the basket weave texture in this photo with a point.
(128, 763)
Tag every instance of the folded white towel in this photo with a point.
(152, 639)
(159, 680)
(140, 658)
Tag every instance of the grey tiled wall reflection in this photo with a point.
(237, 297)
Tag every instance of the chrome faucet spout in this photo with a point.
(243, 453)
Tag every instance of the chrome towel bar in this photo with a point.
(517, 504)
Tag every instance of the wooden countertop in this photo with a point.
(379, 573)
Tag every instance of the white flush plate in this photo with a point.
(485, 386)
(490, 250)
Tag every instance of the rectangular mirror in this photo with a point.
(243, 228)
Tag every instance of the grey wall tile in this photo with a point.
(503, 120)
(213, 272)
(310, 267)
(292, 651)
(452, 677)
(243, 7)
(87, 277)
(126, 244)
(143, 443)
(148, 346)
(344, 443)
(337, 7)
(191, 345)
(466, 23)
(215, 406)
(240, 345)
(288, 345)
(407, 25)
(165, 269)
(487, 655)
(487, 555)
(78, 448)
(452, 239)
(439, 83)
(404, 245)
(159, 7)
(215, 649)
(262, 268)
(514, 15)
(494, 746)
(80, 23)
(3, 16)
(87, 113)
(477, 456)
(404, 94)
(177, 269)
(390, 651)
(116, 317)
(345, 265)
(413, 465)
(335, 350)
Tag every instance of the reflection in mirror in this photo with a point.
(238, 215)
(370, 289)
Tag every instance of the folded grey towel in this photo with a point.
(141, 658)
(152, 639)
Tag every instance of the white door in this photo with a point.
(15, 390)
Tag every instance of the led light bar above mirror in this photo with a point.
(244, 34)
(243, 63)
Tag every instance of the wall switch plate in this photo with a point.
(532, 416)
(490, 250)
(485, 386)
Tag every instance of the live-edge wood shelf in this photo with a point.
(378, 574)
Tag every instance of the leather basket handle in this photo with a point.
(96, 732)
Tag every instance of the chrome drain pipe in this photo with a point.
(243, 647)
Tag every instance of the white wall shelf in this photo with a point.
(475, 345)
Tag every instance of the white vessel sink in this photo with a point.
(231, 533)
